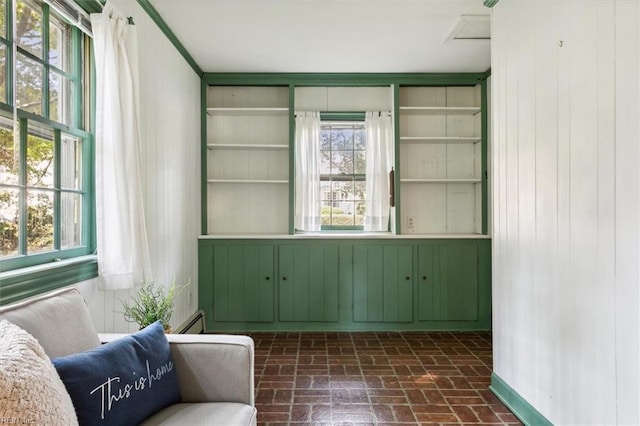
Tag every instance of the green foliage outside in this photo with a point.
(39, 224)
(40, 165)
(332, 216)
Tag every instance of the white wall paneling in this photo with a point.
(566, 208)
(170, 123)
(343, 98)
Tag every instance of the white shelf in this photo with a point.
(440, 139)
(261, 181)
(425, 110)
(246, 146)
(444, 180)
(280, 111)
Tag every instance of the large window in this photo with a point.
(342, 174)
(45, 147)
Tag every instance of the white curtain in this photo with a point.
(123, 252)
(307, 183)
(379, 140)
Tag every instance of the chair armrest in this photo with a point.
(211, 367)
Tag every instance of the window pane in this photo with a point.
(29, 85)
(359, 162)
(39, 221)
(342, 162)
(59, 44)
(9, 154)
(360, 190)
(360, 211)
(3, 73)
(40, 158)
(29, 27)
(358, 139)
(325, 162)
(325, 138)
(3, 17)
(70, 220)
(341, 139)
(59, 98)
(9, 221)
(343, 190)
(71, 162)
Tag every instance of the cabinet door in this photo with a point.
(243, 287)
(448, 282)
(308, 283)
(383, 283)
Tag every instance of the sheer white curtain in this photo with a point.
(379, 140)
(123, 252)
(307, 149)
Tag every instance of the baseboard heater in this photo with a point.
(193, 325)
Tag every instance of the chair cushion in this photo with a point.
(122, 382)
(31, 391)
(205, 413)
(60, 321)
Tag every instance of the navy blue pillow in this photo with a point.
(122, 382)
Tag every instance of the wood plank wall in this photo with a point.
(170, 113)
(566, 97)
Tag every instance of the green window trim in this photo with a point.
(27, 282)
(23, 275)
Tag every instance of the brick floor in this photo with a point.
(429, 378)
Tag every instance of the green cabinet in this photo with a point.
(368, 283)
(243, 283)
(383, 283)
(308, 282)
(448, 282)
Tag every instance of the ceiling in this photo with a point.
(326, 35)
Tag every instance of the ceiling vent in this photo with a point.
(470, 27)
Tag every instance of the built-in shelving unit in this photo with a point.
(431, 271)
(440, 167)
(247, 159)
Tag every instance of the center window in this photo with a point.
(342, 174)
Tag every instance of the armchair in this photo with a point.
(215, 372)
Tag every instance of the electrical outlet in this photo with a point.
(410, 222)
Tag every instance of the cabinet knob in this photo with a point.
(407, 278)
(284, 278)
(424, 277)
(266, 278)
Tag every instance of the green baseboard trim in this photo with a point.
(517, 404)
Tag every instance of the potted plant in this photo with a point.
(150, 304)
